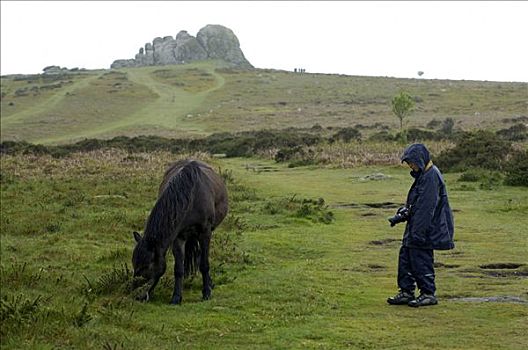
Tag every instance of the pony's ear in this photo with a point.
(137, 236)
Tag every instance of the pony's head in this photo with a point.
(146, 260)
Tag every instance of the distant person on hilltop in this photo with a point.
(429, 227)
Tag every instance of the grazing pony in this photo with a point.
(192, 202)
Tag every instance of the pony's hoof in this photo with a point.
(206, 296)
(176, 301)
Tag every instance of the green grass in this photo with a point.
(284, 280)
(93, 103)
(131, 102)
(276, 99)
(25, 97)
(205, 97)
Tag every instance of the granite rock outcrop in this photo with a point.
(211, 42)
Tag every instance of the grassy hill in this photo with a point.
(205, 97)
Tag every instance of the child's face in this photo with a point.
(413, 166)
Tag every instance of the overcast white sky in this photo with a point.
(446, 40)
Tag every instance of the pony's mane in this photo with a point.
(172, 203)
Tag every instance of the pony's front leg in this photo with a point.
(205, 239)
(178, 250)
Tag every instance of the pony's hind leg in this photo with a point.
(178, 250)
(205, 239)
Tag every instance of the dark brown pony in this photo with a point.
(192, 202)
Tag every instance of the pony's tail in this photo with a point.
(192, 256)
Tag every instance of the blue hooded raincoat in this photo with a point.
(430, 224)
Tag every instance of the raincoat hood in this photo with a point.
(417, 154)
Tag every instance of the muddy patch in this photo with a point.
(493, 299)
(496, 270)
(260, 168)
(447, 266)
(384, 241)
(504, 270)
(346, 205)
(509, 266)
(368, 214)
(376, 177)
(267, 169)
(506, 273)
(375, 267)
(456, 252)
(380, 205)
(471, 276)
(383, 205)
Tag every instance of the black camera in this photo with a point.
(401, 216)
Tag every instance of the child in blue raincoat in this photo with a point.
(429, 227)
